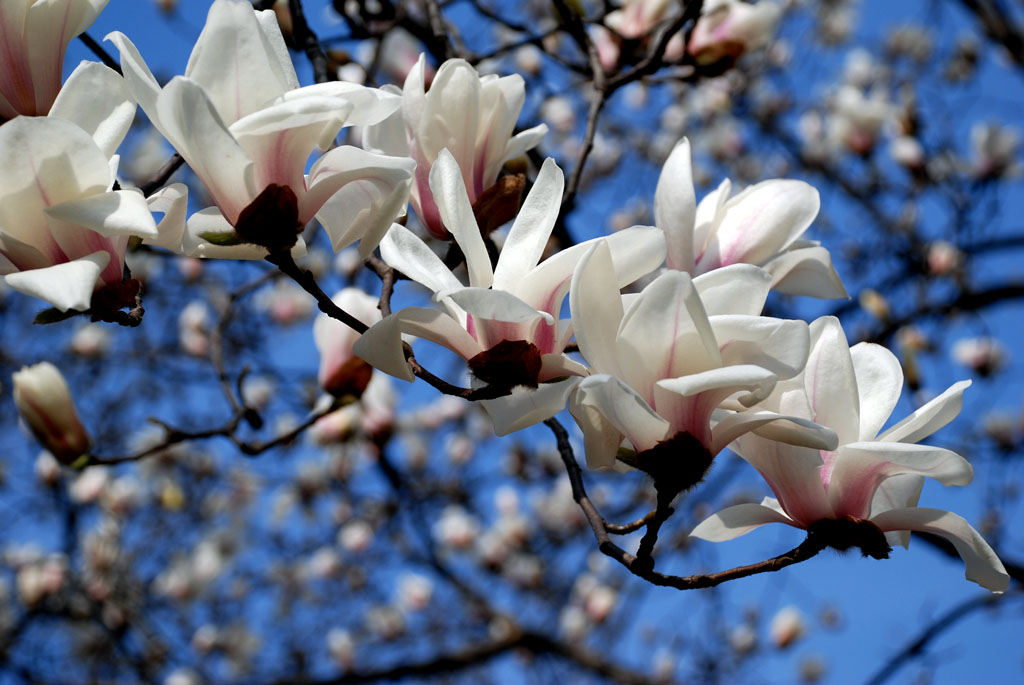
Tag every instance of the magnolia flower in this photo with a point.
(761, 225)
(43, 399)
(728, 28)
(663, 361)
(35, 34)
(857, 120)
(246, 129)
(871, 482)
(635, 21)
(472, 116)
(341, 372)
(63, 228)
(505, 323)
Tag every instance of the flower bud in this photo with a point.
(44, 401)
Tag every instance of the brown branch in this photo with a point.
(814, 543)
(438, 29)
(100, 52)
(304, 39)
(998, 26)
(163, 175)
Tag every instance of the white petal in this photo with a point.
(897, 492)
(929, 418)
(449, 191)
(982, 565)
(806, 271)
(675, 207)
(830, 381)
(138, 78)
(793, 473)
(495, 305)
(450, 119)
(732, 522)
(736, 289)
(596, 309)
(529, 234)
(119, 212)
(364, 194)
(370, 106)
(525, 407)
(381, 348)
(172, 202)
(624, 409)
(879, 384)
(96, 98)
(523, 141)
(66, 286)
(779, 345)
(403, 250)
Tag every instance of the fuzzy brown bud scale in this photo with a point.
(849, 532)
(508, 364)
(271, 220)
(676, 464)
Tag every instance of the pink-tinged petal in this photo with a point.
(525, 407)
(237, 62)
(722, 382)
(449, 193)
(879, 383)
(172, 202)
(450, 119)
(210, 220)
(387, 136)
(732, 522)
(49, 28)
(19, 256)
(675, 207)
(280, 138)
(655, 338)
(523, 141)
(761, 222)
(414, 94)
(793, 474)
(623, 409)
(806, 271)
(369, 106)
(856, 470)
(357, 195)
(119, 212)
(196, 130)
(437, 327)
(792, 430)
(601, 439)
(710, 211)
(596, 309)
(501, 99)
(46, 162)
(929, 418)
(779, 345)
(139, 79)
(830, 381)
(737, 289)
(96, 98)
(897, 492)
(17, 94)
(66, 286)
(334, 339)
(982, 565)
(498, 305)
(529, 234)
(403, 250)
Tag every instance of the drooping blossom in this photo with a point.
(34, 35)
(341, 372)
(471, 116)
(63, 228)
(246, 129)
(662, 362)
(762, 225)
(505, 322)
(44, 401)
(870, 484)
(728, 28)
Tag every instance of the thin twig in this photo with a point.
(305, 39)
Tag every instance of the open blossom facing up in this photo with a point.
(505, 322)
(728, 28)
(43, 399)
(63, 228)
(871, 483)
(246, 129)
(762, 225)
(473, 117)
(662, 363)
(35, 35)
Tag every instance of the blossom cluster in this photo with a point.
(661, 379)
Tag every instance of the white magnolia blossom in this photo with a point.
(635, 20)
(762, 225)
(44, 401)
(35, 35)
(728, 28)
(341, 372)
(242, 123)
(871, 476)
(518, 300)
(663, 361)
(63, 228)
(471, 116)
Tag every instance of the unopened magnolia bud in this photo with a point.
(787, 627)
(875, 304)
(44, 401)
